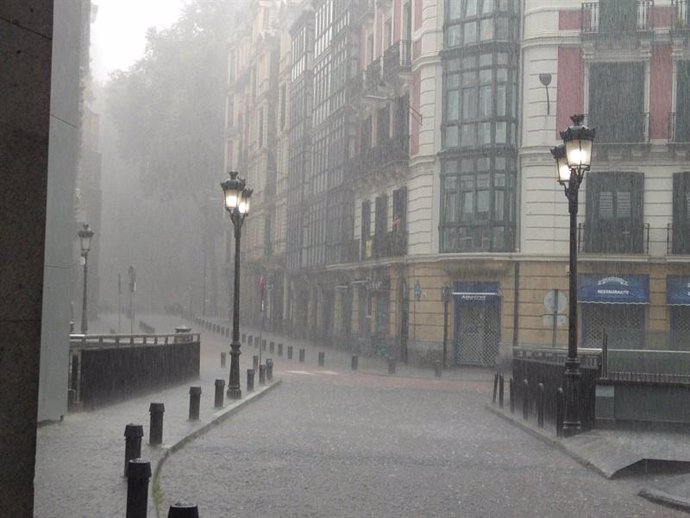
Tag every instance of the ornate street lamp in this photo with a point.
(573, 160)
(85, 236)
(237, 199)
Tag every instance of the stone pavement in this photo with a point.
(80, 461)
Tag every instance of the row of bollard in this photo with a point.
(540, 401)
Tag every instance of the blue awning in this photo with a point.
(613, 289)
(478, 291)
(678, 290)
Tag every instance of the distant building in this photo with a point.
(413, 141)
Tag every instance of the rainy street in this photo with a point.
(337, 443)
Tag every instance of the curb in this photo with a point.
(547, 438)
(220, 416)
(666, 499)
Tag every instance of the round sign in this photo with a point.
(553, 303)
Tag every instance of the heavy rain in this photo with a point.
(344, 258)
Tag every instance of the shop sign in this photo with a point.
(613, 289)
(480, 292)
(678, 290)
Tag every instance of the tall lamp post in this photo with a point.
(573, 160)
(236, 197)
(85, 236)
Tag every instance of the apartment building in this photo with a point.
(415, 140)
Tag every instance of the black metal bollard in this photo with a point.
(138, 475)
(271, 347)
(301, 355)
(322, 358)
(194, 403)
(391, 365)
(289, 352)
(222, 359)
(280, 349)
(437, 368)
(182, 510)
(560, 410)
(218, 397)
(510, 396)
(354, 362)
(500, 391)
(525, 399)
(269, 369)
(540, 406)
(255, 362)
(493, 400)
(262, 374)
(133, 435)
(156, 426)
(250, 380)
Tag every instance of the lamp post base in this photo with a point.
(234, 393)
(572, 423)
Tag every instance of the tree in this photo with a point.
(168, 110)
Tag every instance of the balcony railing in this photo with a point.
(373, 75)
(372, 160)
(613, 239)
(388, 244)
(628, 129)
(396, 59)
(609, 17)
(679, 129)
(681, 15)
(677, 240)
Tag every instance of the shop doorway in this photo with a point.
(477, 330)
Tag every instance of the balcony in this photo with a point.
(679, 129)
(613, 238)
(373, 76)
(612, 18)
(677, 240)
(681, 16)
(626, 129)
(396, 59)
(395, 150)
(389, 244)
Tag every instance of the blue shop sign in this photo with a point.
(613, 289)
(478, 291)
(678, 290)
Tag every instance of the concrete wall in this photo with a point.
(60, 233)
(25, 67)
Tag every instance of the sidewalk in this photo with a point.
(340, 358)
(661, 457)
(80, 461)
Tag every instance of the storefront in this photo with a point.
(678, 300)
(615, 305)
(477, 330)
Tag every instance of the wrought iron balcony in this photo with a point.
(373, 75)
(677, 239)
(613, 238)
(392, 151)
(396, 59)
(626, 129)
(611, 17)
(387, 244)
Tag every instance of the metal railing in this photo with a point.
(599, 239)
(373, 75)
(397, 58)
(677, 240)
(618, 18)
(80, 342)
